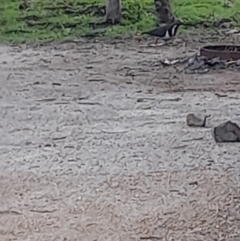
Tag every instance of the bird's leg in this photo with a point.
(166, 43)
(169, 42)
(156, 42)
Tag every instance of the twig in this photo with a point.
(43, 211)
(48, 99)
(114, 132)
(150, 237)
(88, 103)
(10, 212)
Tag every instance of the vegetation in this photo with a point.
(46, 20)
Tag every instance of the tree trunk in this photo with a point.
(163, 11)
(113, 11)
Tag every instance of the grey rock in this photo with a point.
(196, 121)
(227, 132)
(238, 62)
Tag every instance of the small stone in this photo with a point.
(227, 132)
(114, 184)
(214, 61)
(238, 62)
(196, 121)
(192, 60)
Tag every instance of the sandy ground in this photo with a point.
(94, 146)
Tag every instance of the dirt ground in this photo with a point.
(94, 146)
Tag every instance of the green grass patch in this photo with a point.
(46, 20)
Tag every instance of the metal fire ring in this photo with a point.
(224, 52)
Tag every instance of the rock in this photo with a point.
(200, 64)
(196, 121)
(192, 59)
(213, 62)
(227, 132)
(238, 62)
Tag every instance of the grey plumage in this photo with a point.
(165, 32)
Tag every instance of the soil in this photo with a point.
(94, 145)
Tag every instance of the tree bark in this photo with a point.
(113, 11)
(162, 8)
(163, 11)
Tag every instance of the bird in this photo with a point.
(166, 32)
(195, 121)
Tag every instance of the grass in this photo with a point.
(48, 20)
